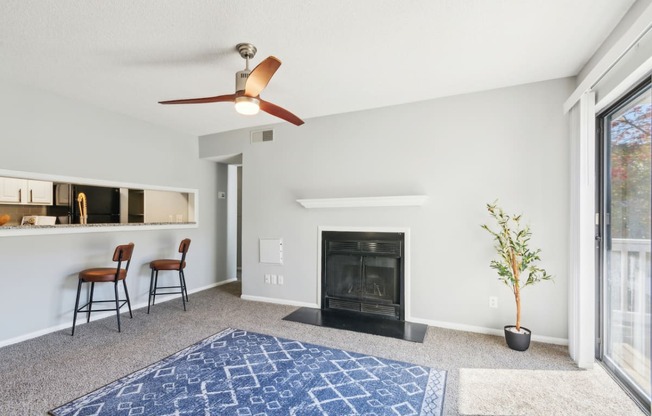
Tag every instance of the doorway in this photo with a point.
(234, 220)
(239, 225)
(624, 240)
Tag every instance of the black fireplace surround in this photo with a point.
(362, 272)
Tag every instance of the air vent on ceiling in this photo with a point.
(262, 136)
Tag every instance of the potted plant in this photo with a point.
(516, 266)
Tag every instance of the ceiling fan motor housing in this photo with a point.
(241, 79)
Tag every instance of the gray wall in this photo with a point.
(462, 152)
(45, 133)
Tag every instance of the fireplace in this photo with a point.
(363, 272)
(364, 280)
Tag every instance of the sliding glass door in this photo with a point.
(625, 200)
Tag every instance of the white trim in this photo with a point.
(406, 258)
(278, 301)
(95, 317)
(581, 290)
(630, 81)
(212, 285)
(373, 201)
(483, 330)
(632, 35)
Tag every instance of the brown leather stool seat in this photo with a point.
(102, 274)
(169, 264)
(116, 274)
(166, 264)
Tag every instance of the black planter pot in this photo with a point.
(516, 341)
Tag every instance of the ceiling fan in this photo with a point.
(248, 86)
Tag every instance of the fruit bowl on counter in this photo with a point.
(4, 219)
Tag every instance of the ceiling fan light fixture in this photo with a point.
(248, 86)
(247, 105)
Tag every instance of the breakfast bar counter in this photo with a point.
(25, 230)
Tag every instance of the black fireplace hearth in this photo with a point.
(365, 323)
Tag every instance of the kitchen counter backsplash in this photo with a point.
(17, 212)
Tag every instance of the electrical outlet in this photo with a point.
(274, 279)
(493, 302)
(268, 279)
(280, 279)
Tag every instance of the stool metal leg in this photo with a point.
(74, 319)
(183, 298)
(90, 303)
(149, 297)
(185, 287)
(124, 283)
(117, 303)
(155, 286)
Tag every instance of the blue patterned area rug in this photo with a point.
(244, 373)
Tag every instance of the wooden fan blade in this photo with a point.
(260, 76)
(217, 99)
(279, 112)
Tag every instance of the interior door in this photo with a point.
(624, 252)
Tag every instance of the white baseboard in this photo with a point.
(96, 316)
(278, 301)
(439, 324)
(483, 330)
(220, 283)
(165, 298)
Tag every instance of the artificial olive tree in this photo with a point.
(516, 265)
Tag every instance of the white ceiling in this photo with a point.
(338, 55)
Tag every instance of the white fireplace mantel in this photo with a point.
(360, 202)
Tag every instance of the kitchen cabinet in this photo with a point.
(25, 191)
(11, 190)
(39, 192)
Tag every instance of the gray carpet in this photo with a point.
(45, 372)
(541, 392)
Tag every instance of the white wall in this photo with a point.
(45, 133)
(462, 151)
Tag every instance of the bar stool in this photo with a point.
(169, 264)
(106, 274)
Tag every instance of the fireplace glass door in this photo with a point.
(363, 272)
(363, 278)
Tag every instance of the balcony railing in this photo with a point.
(629, 306)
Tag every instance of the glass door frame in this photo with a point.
(603, 200)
